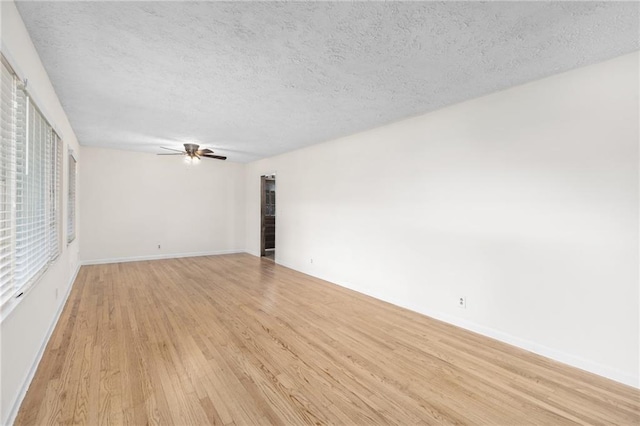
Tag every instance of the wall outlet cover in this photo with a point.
(462, 302)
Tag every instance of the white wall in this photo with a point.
(131, 202)
(524, 201)
(25, 331)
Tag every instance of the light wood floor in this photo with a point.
(242, 341)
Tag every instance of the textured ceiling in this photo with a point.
(254, 79)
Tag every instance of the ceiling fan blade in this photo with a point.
(217, 157)
(204, 151)
(171, 149)
(182, 153)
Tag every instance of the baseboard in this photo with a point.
(159, 257)
(34, 367)
(554, 354)
(253, 253)
(528, 345)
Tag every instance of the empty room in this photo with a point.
(292, 213)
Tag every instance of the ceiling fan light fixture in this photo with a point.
(191, 159)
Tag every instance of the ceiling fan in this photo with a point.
(191, 150)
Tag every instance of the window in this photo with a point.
(55, 199)
(71, 215)
(30, 165)
(7, 180)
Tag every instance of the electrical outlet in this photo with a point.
(311, 260)
(462, 302)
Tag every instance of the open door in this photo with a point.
(268, 216)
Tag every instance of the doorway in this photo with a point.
(268, 216)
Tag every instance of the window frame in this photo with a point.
(45, 186)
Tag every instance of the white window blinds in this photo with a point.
(55, 199)
(31, 182)
(8, 103)
(30, 167)
(71, 199)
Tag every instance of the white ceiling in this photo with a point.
(254, 79)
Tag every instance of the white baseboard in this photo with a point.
(253, 253)
(528, 345)
(34, 367)
(554, 354)
(158, 257)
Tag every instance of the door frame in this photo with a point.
(263, 210)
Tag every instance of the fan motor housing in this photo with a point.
(191, 148)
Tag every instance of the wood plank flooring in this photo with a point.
(237, 340)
